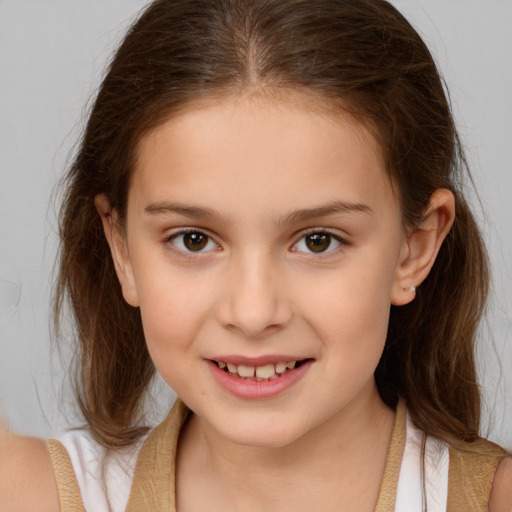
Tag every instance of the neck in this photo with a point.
(346, 453)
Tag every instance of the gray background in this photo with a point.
(52, 54)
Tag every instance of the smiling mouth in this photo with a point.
(267, 372)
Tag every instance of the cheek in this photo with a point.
(358, 291)
(353, 329)
(353, 326)
(349, 309)
(172, 310)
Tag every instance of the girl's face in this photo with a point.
(261, 233)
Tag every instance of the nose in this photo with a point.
(254, 302)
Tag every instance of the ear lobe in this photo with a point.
(422, 246)
(118, 248)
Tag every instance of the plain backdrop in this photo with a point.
(52, 55)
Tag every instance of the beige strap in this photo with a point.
(388, 488)
(153, 486)
(471, 475)
(69, 493)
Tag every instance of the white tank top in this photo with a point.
(414, 490)
(104, 479)
(105, 482)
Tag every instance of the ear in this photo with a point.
(118, 248)
(421, 246)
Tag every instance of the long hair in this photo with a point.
(359, 55)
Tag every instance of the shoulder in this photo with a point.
(501, 495)
(480, 477)
(27, 481)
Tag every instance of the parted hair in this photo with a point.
(358, 55)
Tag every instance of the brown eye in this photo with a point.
(192, 241)
(318, 242)
(195, 241)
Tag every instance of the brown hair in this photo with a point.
(358, 53)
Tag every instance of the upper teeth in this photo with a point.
(267, 371)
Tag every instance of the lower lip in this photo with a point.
(253, 389)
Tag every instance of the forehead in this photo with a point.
(241, 153)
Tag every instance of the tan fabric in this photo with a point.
(472, 469)
(69, 493)
(387, 494)
(153, 483)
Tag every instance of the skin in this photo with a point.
(27, 482)
(256, 290)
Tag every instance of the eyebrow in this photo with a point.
(193, 212)
(324, 210)
(200, 213)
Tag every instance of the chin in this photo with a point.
(263, 436)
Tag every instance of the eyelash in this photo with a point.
(184, 252)
(333, 237)
(324, 231)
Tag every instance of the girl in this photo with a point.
(266, 209)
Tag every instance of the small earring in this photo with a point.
(411, 289)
